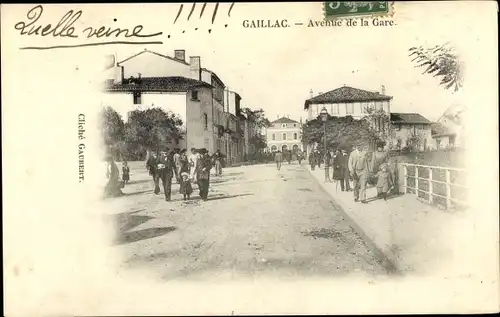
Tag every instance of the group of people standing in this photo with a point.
(187, 169)
(360, 166)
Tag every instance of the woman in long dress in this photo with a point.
(112, 188)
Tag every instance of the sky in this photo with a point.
(275, 68)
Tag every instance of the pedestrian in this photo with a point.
(193, 157)
(312, 161)
(393, 169)
(203, 166)
(336, 166)
(360, 172)
(353, 167)
(113, 186)
(217, 159)
(327, 160)
(278, 158)
(186, 189)
(384, 181)
(164, 171)
(378, 158)
(343, 167)
(183, 162)
(125, 172)
(289, 157)
(299, 157)
(317, 153)
(177, 165)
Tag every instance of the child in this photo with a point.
(384, 182)
(186, 188)
(125, 173)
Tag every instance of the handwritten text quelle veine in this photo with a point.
(65, 28)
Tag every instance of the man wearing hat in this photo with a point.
(164, 170)
(202, 168)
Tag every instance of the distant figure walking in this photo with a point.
(312, 160)
(177, 166)
(289, 157)
(125, 172)
(113, 186)
(278, 158)
(300, 157)
(218, 157)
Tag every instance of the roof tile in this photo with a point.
(408, 118)
(346, 94)
(164, 84)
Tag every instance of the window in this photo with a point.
(283, 125)
(294, 125)
(137, 98)
(194, 95)
(398, 127)
(205, 121)
(349, 108)
(284, 136)
(295, 136)
(274, 137)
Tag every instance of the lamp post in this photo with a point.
(324, 117)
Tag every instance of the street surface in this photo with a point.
(257, 222)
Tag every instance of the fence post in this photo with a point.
(448, 188)
(405, 175)
(431, 187)
(416, 181)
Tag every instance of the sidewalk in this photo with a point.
(407, 235)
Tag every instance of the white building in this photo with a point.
(284, 134)
(448, 131)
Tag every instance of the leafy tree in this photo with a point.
(258, 141)
(341, 132)
(151, 129)
(112, 129)
(258, 116)
(440, 61)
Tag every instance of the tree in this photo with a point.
(112, 129)
(151, 129)
(258, 141)
(258, 116)
(341, 132)
(440, 61)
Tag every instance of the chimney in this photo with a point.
(311, 93)
(320, 93)
(118, 79)
(180, 55)
(382, 90)
(195, 67)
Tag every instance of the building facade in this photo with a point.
(410, 130)
(284, 134)
(448, 131)
(150, 79)
(354, 102)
